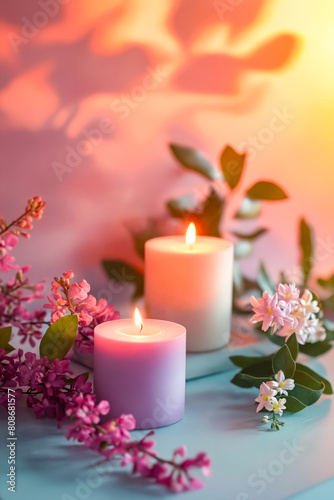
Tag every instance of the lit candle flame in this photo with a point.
(191, 235)
(138, 320)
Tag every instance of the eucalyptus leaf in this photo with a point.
(121, 272)
(195, 160)
(264, 280)
(305, 379)
(237, 277)
(275, 339)
(246, 361)
(241, 382)
(327, 283)
(142, 236)
(245, 380)
(293, 405)
(232, 164)
(59, 338)
(329, 302)
(315, 349)
(249, 209)
(243, 249)
(250, 236)
(307, 396)
(212, 210)
(305, 369)
(306, 241)
(283, 360)
(293, 346)
(182, 207)
(267, 191)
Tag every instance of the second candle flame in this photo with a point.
(138, 320)
(191, 235)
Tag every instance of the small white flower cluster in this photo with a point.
(267, 397)
(287, 313)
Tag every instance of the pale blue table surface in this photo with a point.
(221, 420)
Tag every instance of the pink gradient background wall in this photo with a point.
(222, 78)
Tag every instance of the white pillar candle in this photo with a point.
(190, 283)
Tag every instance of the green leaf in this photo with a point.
(305, 379)
(293, 405)
(293, 346)
(251, 236)
(232, 165)
(243, 249)
(327, 283)
(9, 348)
(206, 217)
(253, 375)
(142, 236)
(182, 207)
(305, 369)
(306, 239)
(275, 339)
(249, 209)
(245, 361)
(329, 303)
(283, 360)
(5, 334)
(245, 380)
(307, 396)
(265, 190)
(315, 349)
(59, 338)
(121, 272)
(264, 280)
(211, 213)
(240, 382)
(194, 160)
(237, 277)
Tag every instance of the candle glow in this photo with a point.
(138, 320)
(191, 235)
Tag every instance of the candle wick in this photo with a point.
(141, 327)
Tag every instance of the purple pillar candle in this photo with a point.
(140, 369)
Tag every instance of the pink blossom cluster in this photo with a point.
(14, 295)
(49, 386)
(113, 439)
(18, 227)
(17, 291)
(75, 298)
(286, 312)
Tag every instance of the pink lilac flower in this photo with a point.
(309, 305)
(317, 333)
(281, 384)
(289, 294)
(80, 290)
(74, 298)
(7, 243)
(265, 397)
(268, 311)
